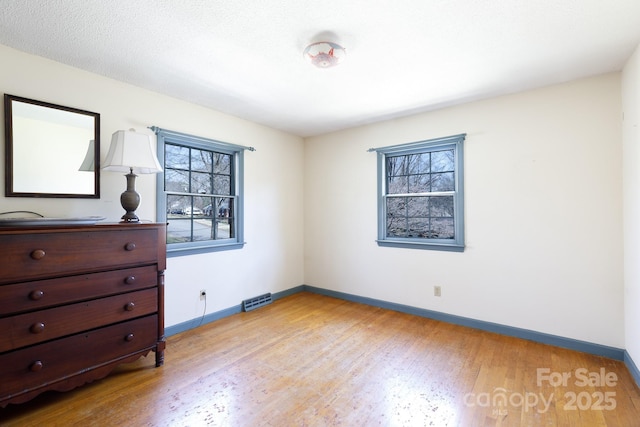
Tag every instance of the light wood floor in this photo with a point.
(311, 360)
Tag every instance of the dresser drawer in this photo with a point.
(43, 255)
(26, 369)
(40, 294)
(44, 325)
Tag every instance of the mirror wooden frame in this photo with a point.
(14, 139)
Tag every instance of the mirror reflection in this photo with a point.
(52, 150)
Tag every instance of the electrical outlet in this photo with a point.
(437, 291)
(203, 294)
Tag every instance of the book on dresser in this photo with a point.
(77, 301)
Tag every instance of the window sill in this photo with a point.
(203, 249)
(412, 244)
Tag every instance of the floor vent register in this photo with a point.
(257, 302)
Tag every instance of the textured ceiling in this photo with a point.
(244, 57)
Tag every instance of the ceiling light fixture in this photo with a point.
(324, 54)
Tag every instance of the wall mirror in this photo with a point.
(51, 150)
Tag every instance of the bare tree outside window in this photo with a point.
(200, 194)
(413, 210)
(421, 192)
(200, 200)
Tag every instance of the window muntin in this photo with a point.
(420, 201)
(200, 193)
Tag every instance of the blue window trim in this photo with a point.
(453, 245)
(190, 248)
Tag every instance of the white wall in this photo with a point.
(272, 259)
(543, 204)
(631, 138)
(543, 200)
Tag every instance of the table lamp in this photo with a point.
(131, 152)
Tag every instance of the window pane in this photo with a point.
(223, 228)
(418, 163)
(397, 206)
(420, 217)
(418, 228)
(199, 203)
(442, 228)
(223, 219)
(441, 206)
(176, 180)
(224, 207)
(442, 161)
(397, 185)
(417, 207)
(231, 218)
(197, 219)
(201, 160)
(396, 216)
(178, 231)
(176, 205)
(201, 183)
(176, 157)
(443, 181)
(189, 208)
(420, 183)
(396, 166)
(209, 208)
(222, 185)
(202, 230)
(194, 222)
(396, 227)
(222, 163)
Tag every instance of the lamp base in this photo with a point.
(130, 199)
(130, 217)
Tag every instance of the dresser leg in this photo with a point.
(160, 353)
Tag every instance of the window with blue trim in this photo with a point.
(200, 193)
(421, 194)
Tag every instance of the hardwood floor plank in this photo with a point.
(312, 360)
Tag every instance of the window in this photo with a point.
(200, 193)
(420, 194)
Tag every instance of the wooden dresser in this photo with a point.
(75, 302)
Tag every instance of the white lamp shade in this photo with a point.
(88, 164)
(131, 150)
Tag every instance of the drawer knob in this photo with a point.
(129, 306)
(37, 328)
(36, 366)
(130, 246)
(130, 280)
(38, 254)
(129, 337)
(36, 295)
